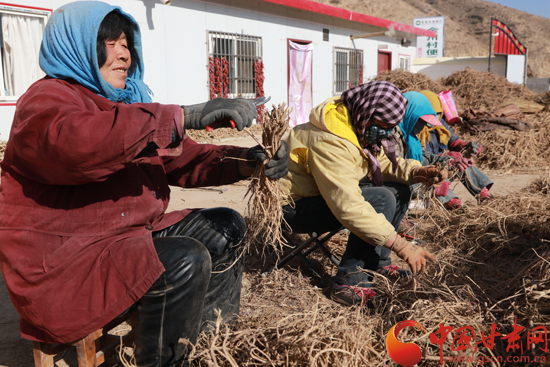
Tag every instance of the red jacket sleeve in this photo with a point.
(203, 165)
(64, 134)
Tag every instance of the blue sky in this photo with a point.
(537, 7)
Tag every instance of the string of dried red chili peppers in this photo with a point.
(212, 77)
(225, 77)
(259, 76)
(218, 77)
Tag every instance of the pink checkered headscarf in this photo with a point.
(381, 100)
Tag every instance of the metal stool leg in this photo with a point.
(315, 242)
(320, 243)
(314, 271)
(296, 251)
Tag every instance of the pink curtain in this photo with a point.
(299, 88)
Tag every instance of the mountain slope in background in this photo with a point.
(467, 25)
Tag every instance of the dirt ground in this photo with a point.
(16, 352)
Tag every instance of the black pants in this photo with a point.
(313, 215)
(203, 257)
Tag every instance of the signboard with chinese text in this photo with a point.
(428, 46)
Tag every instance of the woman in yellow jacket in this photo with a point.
(343, 172)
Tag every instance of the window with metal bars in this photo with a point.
(236, 54)
(348, 69)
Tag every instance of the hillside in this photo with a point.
(467, 24)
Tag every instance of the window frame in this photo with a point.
(350, 68)
(405, 57)
(30, 11)
(242, 58)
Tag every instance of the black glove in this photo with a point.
(241, 111)
(276, 167)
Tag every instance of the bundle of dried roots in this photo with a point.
(425, 193)
(511, 149)
(539, 186)
(265, 214)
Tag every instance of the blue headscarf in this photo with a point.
(69, 51)
(418, 106)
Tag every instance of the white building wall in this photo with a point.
(515, 68)
(6, 117)
(176, 57)
(445, 66)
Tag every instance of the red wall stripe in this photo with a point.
(26, 7)
(332, 11)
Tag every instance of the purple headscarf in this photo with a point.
(381, 100)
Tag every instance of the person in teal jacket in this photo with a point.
(432, 142)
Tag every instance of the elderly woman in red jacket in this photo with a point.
(84, 233)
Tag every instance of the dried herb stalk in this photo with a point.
(265, 211)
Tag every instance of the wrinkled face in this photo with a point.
(115, 69)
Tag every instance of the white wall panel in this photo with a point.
(445, 66)
(6, 117)
(515, 68)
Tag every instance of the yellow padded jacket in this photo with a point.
(326, 159)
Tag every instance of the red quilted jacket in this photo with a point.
(77, 207)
